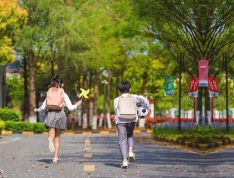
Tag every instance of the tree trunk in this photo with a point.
(95, 101)
(26, 96)
(84, 104)
(96, 91)
(32, 91)
(108, 100)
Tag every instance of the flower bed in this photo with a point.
(166, 119)
(169, 119)
(150, 123)
(223, 119)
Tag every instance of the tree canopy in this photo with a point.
(88, 41)
(12, 18)
(199, 29)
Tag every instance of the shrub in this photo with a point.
(18, 126)
(2, 125)
(7, 114)
(39, 127)
(25, 126)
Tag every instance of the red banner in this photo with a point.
(213, 87)
(193, 86)
(203, 73)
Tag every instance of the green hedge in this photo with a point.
(2, 125)
(197, 134)
(16, 126)
(10, 120)
(7, 114)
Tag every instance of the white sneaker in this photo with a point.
(51, 144)
(131, 156)
(125, 165)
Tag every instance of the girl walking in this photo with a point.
(55, 119)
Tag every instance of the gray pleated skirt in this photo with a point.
(56, 119)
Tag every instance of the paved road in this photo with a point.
(97, 156)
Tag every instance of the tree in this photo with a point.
(33, 45)
(12, 18)
(82, 41)
(198, 29)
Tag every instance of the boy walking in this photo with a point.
(126, 126)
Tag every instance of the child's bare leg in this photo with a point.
(51, 135)
(57, 142)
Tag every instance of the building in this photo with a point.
(7, 71)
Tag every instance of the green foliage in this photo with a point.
(12, 18)
(15, 84)
(174, 25)
(18, 126)
(73, 38)
(2, 125)
(203, 134)
(7, 114)
(25, 126)
(197, 134)
(166, 132)
(39, 127)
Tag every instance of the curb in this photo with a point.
(6, 132)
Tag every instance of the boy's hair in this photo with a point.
(124, 87)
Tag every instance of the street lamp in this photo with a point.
(105, 83)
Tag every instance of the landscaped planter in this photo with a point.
(188, 143)
(218, 143)
(173, 140)
(225, 141)
(203, 147)
(180, 141)
(192, 136)
(211, 145)
(231, 140)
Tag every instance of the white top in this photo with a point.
(67, 100)
(138, 98)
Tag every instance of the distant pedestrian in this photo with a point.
(125, 119)
(55, 119)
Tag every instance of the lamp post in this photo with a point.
(105, 83)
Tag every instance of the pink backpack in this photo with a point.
(55, 98)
